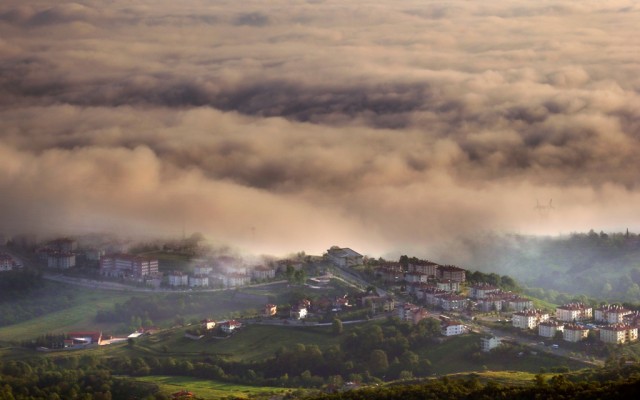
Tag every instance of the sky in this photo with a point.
(279, 126)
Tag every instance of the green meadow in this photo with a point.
(209, 389)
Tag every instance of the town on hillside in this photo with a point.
(410, 289)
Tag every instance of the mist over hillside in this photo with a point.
(595, 264)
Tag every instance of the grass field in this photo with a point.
(208, 389)
(251, 343)
(80, 315)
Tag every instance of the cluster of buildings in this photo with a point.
(434, 284)
(223, 272)
(610, 323)
(489, 298)
(422, 272)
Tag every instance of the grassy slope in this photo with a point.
(79, 316)
(252, 343)
(208, 389)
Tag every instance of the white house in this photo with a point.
(488, 343)
(452, 328)
(298, 312)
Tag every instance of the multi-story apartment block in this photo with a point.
(574, 333)
(424, 267)
(610, 314)
(574, 312)
(549, 328)
(528, 319)
(618, 333)
(451, 272)
(178, 278)
(482, 290)
(126, 265)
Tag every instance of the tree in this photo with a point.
(300, 276)
(378, 362)
(289, 272)
(337, 327)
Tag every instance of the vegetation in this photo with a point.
(601, 265)
(618, 383)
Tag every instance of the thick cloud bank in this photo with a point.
(286, 125)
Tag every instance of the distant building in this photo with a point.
(573, 312)
(177, 278)
(451, 302)
(451, 328)
(127, 265)
(618, 333)
(611, 314)
(412, 313)
(298, 312)
(519, 303)
(488, 343)
(85, 337)
(482, 290)
(230, 326)
(202, 270)
(236, 279)
(61, 260)
(263, 272)
(574, 333)
(528, 319)
(198, 280)
(451, 272)
(448, 285)
(208, 324)
(424, 267)
(344, 257)
(549, 328)
(391, 272)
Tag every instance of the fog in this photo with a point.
(386, 126)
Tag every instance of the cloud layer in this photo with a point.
(287, 125)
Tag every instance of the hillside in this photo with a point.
(601, 265)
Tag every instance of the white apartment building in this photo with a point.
(549, 328)
(574, 333)
(574, 312)
(618, 333)
(528, 319)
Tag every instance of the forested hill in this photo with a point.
(594, 264)
(613, 384)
